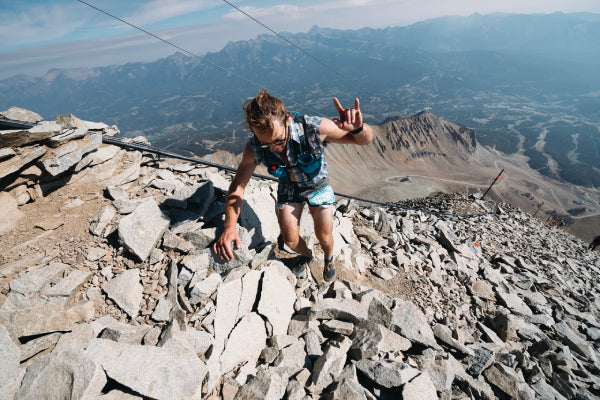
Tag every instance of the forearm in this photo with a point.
(364, 137)
(233, 208)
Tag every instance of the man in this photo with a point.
(291, 146)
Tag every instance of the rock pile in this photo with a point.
(475, 299)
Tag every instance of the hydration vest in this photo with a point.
(308, 159)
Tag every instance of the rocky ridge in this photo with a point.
(446, 297)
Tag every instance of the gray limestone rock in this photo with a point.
(9, 213)
(162, 311)
(69, 374)
(420, 388)
(20, 137)
(481, 359)
(175, 243)
(168, 373)
(204, 288)
(10, 375)
(131, 173)
(34, 316)
(369, 339)
(387, 373)
(277, 300)
(330, 365)
(342, 309)
(20, 161)
(35, 280)
(242, 255)
(444, 334)
(127, 291)
(70, 154)
(508, 381)
(245, 343)
(68, 287)
(199, 196)
(101, 220)
(267, 385)
(141, 230)
(21, 114)
(410, 322)
(514, 303)
(292, 359)
(124, 333)
(202, 238)
(38, 345)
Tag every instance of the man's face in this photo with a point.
(274, 139)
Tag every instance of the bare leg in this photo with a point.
(323, 220)
(289, 224)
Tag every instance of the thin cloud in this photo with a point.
(25, 25)
(160, 10)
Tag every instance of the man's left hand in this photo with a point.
(350, 118)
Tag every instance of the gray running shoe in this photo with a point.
(329, 270)
(301, 265)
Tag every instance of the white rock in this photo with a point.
(277, 300)
(127, 291)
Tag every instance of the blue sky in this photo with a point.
(37, 35)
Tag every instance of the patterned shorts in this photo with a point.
(291, 194)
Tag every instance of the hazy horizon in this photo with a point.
(70, 34)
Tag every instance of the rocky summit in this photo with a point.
(109, 288)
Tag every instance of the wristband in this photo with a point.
(357, 130)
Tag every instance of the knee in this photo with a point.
(324, 236)
(290, 239)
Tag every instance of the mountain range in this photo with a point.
(527, 84)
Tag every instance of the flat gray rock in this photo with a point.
(68, 287)
(64, 375)
(10, 354)
(19, 161)
(33, 281)
(21, 114)
(420, 388)
(141, 230)
(342, 309)
(410, 322)
(101, 220)
(127, 291)
(245, 343)
(168, 373)
(242, 255)
(267, 385)
(277, 300)
(9, 213)
(68, 155)
(38, 316)
(328, 367)
(204, 288)
(387, 373)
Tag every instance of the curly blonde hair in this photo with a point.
(262, 110)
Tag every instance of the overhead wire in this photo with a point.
(174, 45)
(204, 59)
(140, 146)
(229, 71)
(317, 59)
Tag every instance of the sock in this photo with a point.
(329, 258)
(309, 255)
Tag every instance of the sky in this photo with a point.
(37, 35)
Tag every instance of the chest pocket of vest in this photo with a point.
(308, 163)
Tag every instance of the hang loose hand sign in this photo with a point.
(350, 118)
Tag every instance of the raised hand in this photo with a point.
(350, 118)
